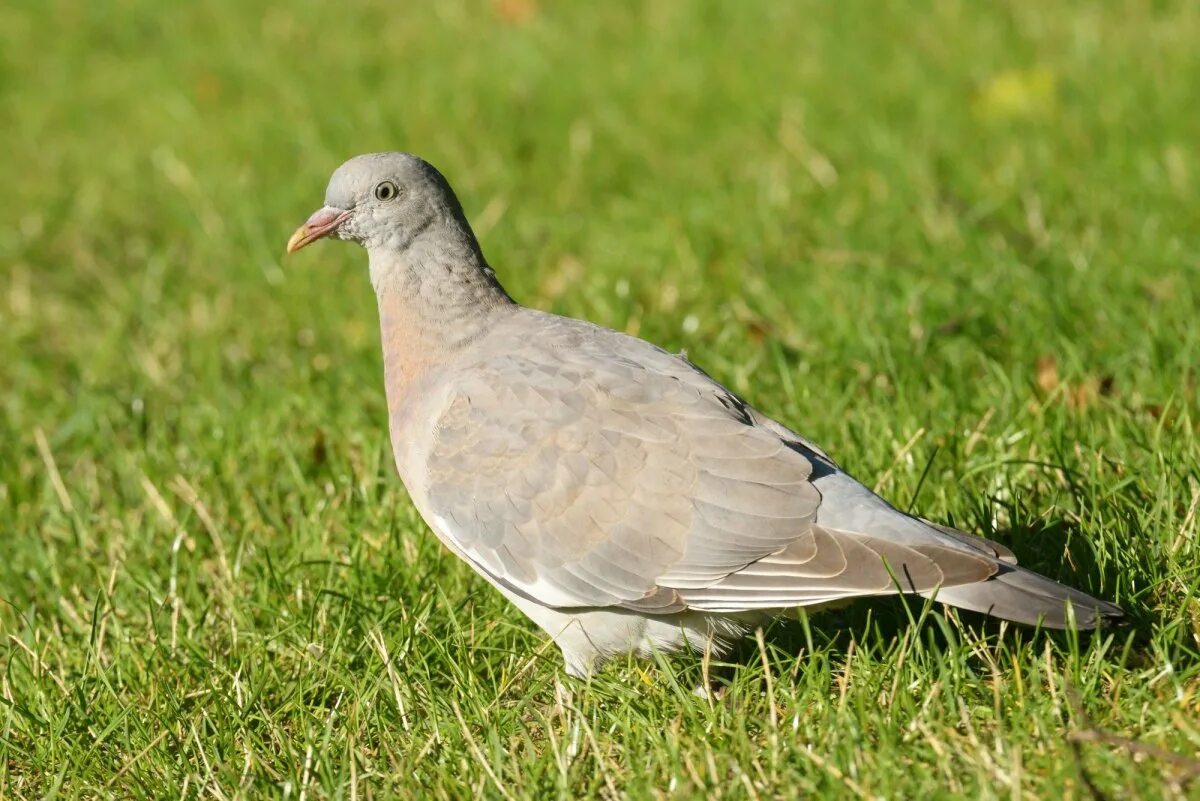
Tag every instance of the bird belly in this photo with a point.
(590, 637)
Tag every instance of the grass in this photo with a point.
(955, 243)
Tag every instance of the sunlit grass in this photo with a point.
(954, 243)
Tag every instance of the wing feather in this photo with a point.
(586, 468)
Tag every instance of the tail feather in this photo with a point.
(1023, 596)
(992, 547)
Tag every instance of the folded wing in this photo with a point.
(592, 469)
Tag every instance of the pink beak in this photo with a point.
(321, 224)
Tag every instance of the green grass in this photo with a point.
(955, 243)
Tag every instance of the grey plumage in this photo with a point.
(614, 492)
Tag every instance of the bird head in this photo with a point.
(380, 200)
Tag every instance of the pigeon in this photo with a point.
(614, 492)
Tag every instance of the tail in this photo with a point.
(1023, 596)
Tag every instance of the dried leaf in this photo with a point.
(515, 12)
(1017, 93)
(1047, 373)
(1081, 395)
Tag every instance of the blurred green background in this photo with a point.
(955, 243)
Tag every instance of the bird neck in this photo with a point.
(436, 298)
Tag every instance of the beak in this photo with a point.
(321, 224)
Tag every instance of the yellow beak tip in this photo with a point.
(297, 239)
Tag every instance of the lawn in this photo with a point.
(955, 243)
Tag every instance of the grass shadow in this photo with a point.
(1057, 549)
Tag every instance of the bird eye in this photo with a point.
(386, 190)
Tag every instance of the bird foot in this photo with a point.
(710, 690)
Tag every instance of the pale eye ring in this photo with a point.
(386, 190)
